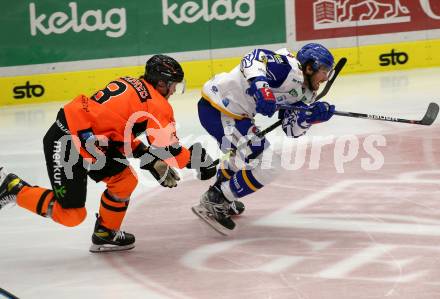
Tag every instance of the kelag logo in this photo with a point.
(393, 58)
(91, 20)
(243, 12)
(28, 91)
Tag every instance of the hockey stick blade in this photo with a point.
(430, 115)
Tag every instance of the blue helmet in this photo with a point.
(315, 54)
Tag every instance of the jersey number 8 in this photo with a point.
(115, 88)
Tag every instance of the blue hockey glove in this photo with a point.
(263, 95)
(316, 113)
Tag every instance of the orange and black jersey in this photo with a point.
(121, 111)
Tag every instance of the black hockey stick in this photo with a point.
(427, 120)
(338, 67)
(6, 294)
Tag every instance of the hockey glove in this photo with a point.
(162, 172)
(201, 162)
(260, 90)
(316, 113)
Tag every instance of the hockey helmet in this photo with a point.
(316, 55)
(163, 68)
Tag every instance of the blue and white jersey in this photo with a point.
(227, 91)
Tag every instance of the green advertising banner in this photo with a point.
(56, 31)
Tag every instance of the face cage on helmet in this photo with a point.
(316, 66)
(180, 86)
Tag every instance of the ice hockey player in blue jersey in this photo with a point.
(265, 82)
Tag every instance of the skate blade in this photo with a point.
(7, 206)
(109, 248)
(204, 215)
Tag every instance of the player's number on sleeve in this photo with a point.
(115, 88)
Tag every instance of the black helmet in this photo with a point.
(162, 67)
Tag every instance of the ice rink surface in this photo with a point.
(355, 212)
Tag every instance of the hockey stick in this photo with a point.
(427, 120)
(7, 295)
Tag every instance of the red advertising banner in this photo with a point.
(318, 19)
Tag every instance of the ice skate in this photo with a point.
(235, 207)
(10, 185)
(104, 239)
(214, 210)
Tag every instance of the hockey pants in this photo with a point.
(253, 166)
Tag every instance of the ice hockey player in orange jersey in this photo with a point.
(93, 137)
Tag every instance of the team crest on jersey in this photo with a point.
(225, 102)
(247, 60)
(214, 89)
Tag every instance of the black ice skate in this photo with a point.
(104, 239)
(235, 207)
(10, 185)
(214, 210)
